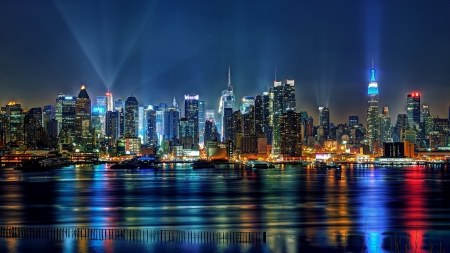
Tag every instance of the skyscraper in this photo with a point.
(67, 105)
(425, 112)
(324, 120)
(131, 116)
(82, 118)
(191, 114)
(171, 118)
(353, 120)
(290, 134)
(258, 114)
(227, 100)
(109, 102)
(152, 137)
(413, 109)
(201, 121)
(247, 102)
(385, 126)
(33, 129)
(372, 112)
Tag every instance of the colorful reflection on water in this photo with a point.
(301, 208)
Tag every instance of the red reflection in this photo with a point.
(414, 209)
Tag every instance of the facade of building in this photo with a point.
(131, 117)
(83, 118)
(413, 110)
(291, 134)
(191, 111)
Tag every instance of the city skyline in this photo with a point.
(177, 48)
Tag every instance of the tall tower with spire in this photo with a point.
(227, 100)
(373, 126)
(83, 119)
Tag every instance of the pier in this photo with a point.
(134, 234)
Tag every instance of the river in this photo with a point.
(301, 208)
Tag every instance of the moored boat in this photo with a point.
(202, 164)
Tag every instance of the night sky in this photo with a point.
(156, 50)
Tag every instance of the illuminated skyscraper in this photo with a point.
(227, 100)
(83, 118)
(413, 109)
(67, 118)
(373, 128)
(247, 102)
(34, 132)
(201, 122)
(152, 137)
(425, 112)
(385, 126)
(13, 124)
(324, 120)
(109, 102)
(291, 134)
(171, 118)
(191, 113)
(131, 116)
(259, 119)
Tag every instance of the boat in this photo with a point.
(43, 164)
(147, 161)
(333, 165)
(258, 165)
(127, 164)
(202, 164)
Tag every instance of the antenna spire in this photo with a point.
(229, 77)
(275, 73)
(372, 62)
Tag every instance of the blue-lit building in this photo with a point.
(373, 122)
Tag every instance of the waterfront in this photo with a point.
(301, 208)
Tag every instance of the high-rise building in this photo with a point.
(67, 118)
(324, 121)
(385, 126)
(249, 121)
(191, 113)
(152, 136)
(112, 121)
(236, 128)
(171, 118)
(373, 128)
(187, 133)
(109, 102)
(353, 120)
(401, 124)
(58, 110)
(83, 118)
(34, 132)
(413, 109)
(227, 124)
(290, 103)
(227, 100)
(131, 116)
(142, 124)
(101, 109)
(119, 105)
(210, 114)
(283, 101)
(267, 105)
(210, 130)
(201, 122)
(425, 112)
(258, 114)
(247, 102)
(291, 134)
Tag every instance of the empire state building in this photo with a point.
(373, 132)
